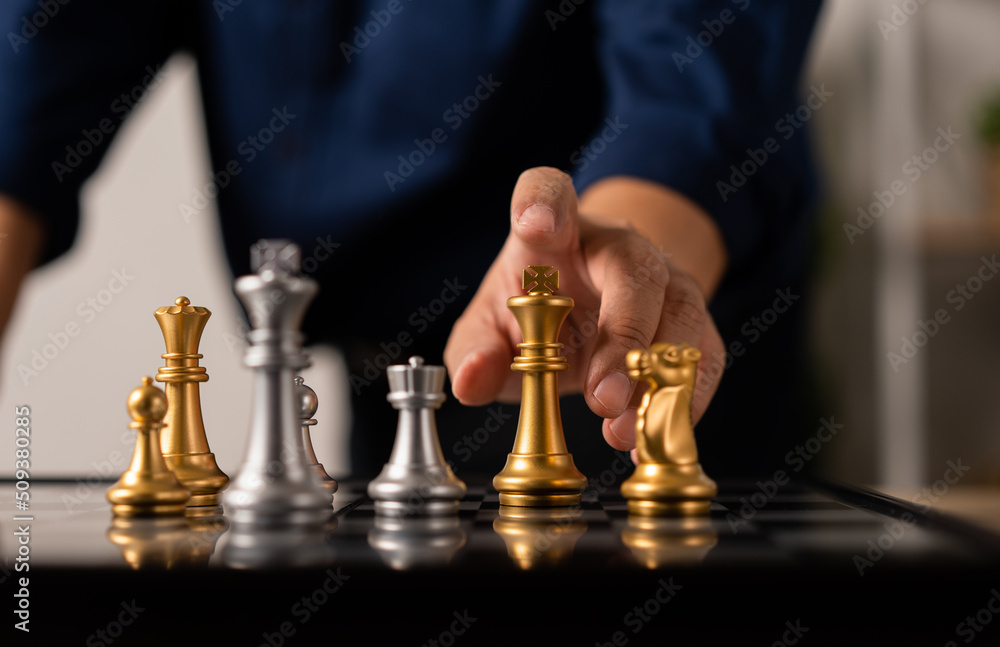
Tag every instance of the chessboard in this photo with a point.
(771, 564)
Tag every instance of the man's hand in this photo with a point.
(628, 295)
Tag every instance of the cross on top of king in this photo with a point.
(537, 282)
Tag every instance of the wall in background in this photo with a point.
(133, 225)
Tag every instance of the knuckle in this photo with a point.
(643, 265)
(630, 330)
(685, 305)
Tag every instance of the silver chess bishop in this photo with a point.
(416, 480)
(276, 485)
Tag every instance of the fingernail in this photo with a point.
(623, 428)
(465, 362)
(538, 217)
(613, 392)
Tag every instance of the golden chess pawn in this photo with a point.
(540, 471)
(668, 479)
(185, 446)
(148, 487)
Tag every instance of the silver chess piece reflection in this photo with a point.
(416, 480)
(275, 484)
(308, 403)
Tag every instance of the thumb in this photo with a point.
(543, 212)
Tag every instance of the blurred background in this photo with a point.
(904, 312)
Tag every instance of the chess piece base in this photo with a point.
(678, 508)
(544, 480)
(658, 489)
(329, 484)
(400, 509)
(540, 500)
(128, 510)
(200, 474)
(147, 494)
(200, 511)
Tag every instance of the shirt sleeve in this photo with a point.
(698, 93)
(70, 72)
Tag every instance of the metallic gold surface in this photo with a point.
(539, 537)
(668, 480)
(658, 542)
(148, 487)
(540, 471)
(185, 445)
(149, 543)
(198, 547)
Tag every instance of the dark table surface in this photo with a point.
(810, 561)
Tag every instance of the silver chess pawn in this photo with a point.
(416, 480)
(275, 485)
(308, 403)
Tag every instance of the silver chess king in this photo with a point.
(275, 484)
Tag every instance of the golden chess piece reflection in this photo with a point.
(150, 542)
(148, 487)
(185, 446)
(540, 471)
(657, 542)
(197, 548)
(668, 479)
(539, 537)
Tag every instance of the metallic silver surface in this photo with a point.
(275, 485)
(416, 480)
(308, 403)
(417, 542)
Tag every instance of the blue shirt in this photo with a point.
(385, 136)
